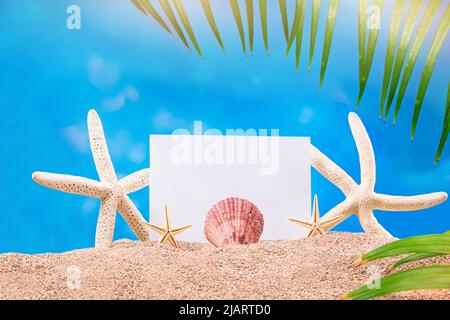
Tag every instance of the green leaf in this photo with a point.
(362, 26)
(206, 5)
(394, 32)
(299, 35)
(263, 14)
(368, 59)
(412, 258)
(171, 16)
(295, 24)
(430, 63)
(250, 22)
(314, 26)
(151, 9)
(405, 41)
(187, 25)
(238, 19)
(429, 277)
(139, 6)
(445, 129)
(284, 18)
(331, 23)
(422, 31)
(438, 243)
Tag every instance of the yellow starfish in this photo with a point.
(317, 226)
(166, 232)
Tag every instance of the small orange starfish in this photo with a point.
(317, 226)
(166, 232)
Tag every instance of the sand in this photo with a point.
(315, 268)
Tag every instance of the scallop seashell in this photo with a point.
(233, 221)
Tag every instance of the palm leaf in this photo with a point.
(314, 26)
(422, 31)
(139, 6)
(284, 18)
(394, 31)
(152, 11)
(430, 63)
(238, 19)
(206, 5)
(173, 20)
(412, 258)
(295, 23)
(439, 243)
(405, 40)
(429, 277)
(331, 23)
(373, 39)
(362, 26)
(187, 25)
(250, 22)
(299, 35)
(263, 14)
(445, 129)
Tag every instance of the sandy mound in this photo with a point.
(317, 268)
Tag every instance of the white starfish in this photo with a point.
(361, 199)
(112, 192)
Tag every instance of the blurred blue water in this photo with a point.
(143, 81)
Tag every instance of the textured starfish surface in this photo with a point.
(317, 226)
(112, 192)
(167, 233)
(361, 199)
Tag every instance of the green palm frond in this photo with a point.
(422, 31)
(263, 15)
(412, 258)
(445, 128)
(284, 18)
(314, 26)
(394, 32)
(206, 5)
(299, 33)
(405, 41)
(333, 7)
(250, 22)
(416, 248)
(429, 277)
(173, 20)
(238, 20)
(430, 63)
(187, 25)
(152, 11)
(369, 54)
(402, 52)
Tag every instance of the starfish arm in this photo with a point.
(71, 184)
(365, 151)
(99, 148)
(302, 223)
(106, 222)
(414, 203)
(156, 228)
(370, 224)
(172, 240)
(316, 213)
(332, 171)
(166, 217)
(179, 230)
(135, 181)
(163, 238)
(131, 214)
(338, 214)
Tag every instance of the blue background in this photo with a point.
(142, 81)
